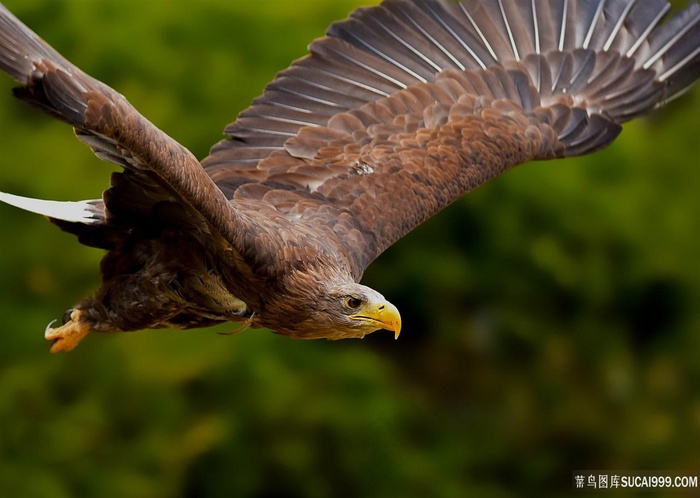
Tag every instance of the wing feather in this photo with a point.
(155, 165)
(400, 110)
(404, 107)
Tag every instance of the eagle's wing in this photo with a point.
(157, 169)
(406, 106)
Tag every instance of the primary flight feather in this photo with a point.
(399, 111)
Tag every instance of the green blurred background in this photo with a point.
(551, 318)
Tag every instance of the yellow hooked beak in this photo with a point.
(383, 316)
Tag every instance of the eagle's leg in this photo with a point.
(244, 326)
(69, 335)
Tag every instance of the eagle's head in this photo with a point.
(336, 309)
(353, 310)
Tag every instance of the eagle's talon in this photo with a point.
(69, 335)
(66, 316)
(48, 328)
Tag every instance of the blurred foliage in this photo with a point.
(552, 317)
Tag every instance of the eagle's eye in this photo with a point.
(353, 302)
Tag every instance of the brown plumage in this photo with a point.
(399, 111)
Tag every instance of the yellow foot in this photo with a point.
(69, 335)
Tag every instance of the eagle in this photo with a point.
(400, 110)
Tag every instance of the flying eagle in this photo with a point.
(399, 111)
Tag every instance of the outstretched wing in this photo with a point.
(405, 107)
(158, 170)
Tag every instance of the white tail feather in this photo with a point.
(76, 212)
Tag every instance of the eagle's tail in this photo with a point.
(593, 64)
(88, 212)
